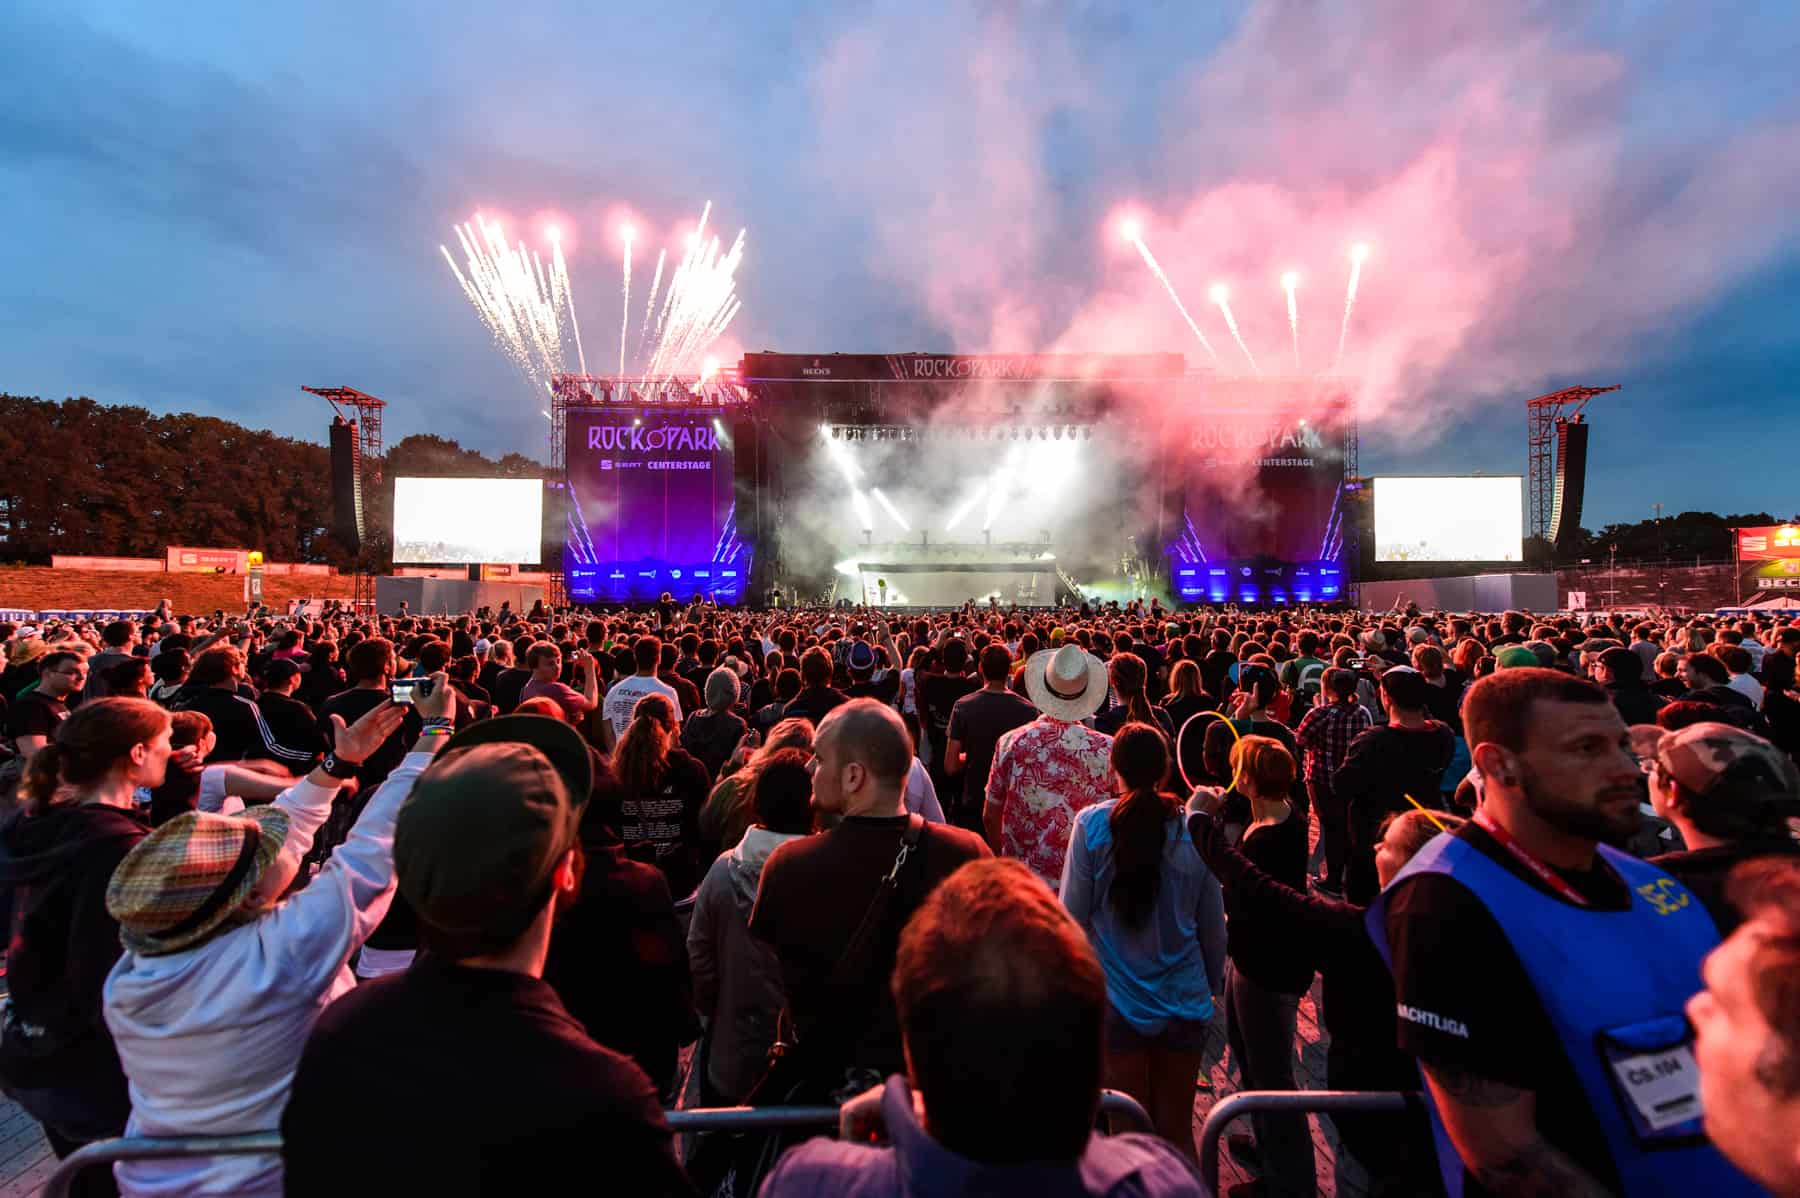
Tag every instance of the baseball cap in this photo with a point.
(1623, 664)
(279, 672)
(1515, 657)
(1722, 762)
(477, 841)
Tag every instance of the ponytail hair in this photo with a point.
(1128, 675)
(90, 744)
(1139, 821)
(643, 751)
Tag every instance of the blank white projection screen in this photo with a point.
(1449, 519)
(451, 520)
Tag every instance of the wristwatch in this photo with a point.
(338, 768)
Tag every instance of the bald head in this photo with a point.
(864, 754)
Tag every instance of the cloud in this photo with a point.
(1529, 215)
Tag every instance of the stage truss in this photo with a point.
(625, 392)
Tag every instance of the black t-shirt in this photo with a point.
(618, 961)
(813, 703)
(1113, 719)
(662, 828)
(938, 694)
(506, 688)
(885, 688)
(978, 721)
(1473, 1008)
(1259, 941)
(814, 893)
(35, 714)
(351, 706)
(1215, 671)
(450, 1080)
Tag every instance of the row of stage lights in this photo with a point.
(1054, 432)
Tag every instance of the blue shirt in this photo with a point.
(1169, 968)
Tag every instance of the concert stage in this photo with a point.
(954, 477)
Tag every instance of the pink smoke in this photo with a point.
(1525, 221)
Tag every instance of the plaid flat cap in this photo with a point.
(184, 880)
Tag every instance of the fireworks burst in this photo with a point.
(1358, 254)
(1289, 282)
(1221, 296)
(524, 306)
(1132, 232)
(701, 303)
(529, 306)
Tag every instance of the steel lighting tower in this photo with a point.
(1541, 416)
(365, 413)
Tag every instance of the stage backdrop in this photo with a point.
(1263, 506)
(651, 507)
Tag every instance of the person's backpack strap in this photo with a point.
(850, 962)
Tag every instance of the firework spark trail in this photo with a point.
(521, 304)
(1358, 253)
(650, 304)
(1157, 270)
(1222, 297)
(1289, 282)
(560, 273)
(701, 303)
(625, 307)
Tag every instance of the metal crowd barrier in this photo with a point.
(1114, 1105)
(1229, 1110)
(149, 1148)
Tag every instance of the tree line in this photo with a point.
(90, 478)
(1688, 537)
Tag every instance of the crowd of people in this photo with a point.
(463, 904)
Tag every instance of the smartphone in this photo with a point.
(403, 689)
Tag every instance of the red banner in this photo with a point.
(184, 560)
(1768, 561)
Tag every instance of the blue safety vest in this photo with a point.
(1614, 984)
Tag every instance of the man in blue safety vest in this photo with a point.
(1540, 975)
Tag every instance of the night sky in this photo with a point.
(207, 205)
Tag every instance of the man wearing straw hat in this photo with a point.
(1052, 767)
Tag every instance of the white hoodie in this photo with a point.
(210, 1036)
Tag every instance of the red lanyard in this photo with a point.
(1544, 873)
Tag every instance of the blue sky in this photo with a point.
(207, 205)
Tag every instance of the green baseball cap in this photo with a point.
(1515, 657)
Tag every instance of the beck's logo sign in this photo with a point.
(816, 370)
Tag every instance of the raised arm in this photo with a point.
(328, 920)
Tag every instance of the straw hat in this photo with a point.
(1068, 683)
(189, 876)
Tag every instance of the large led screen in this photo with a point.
(441, 521)
(1449, 519)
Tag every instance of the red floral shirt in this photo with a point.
(1043, 774)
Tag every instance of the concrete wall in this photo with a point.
(1471, 592)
